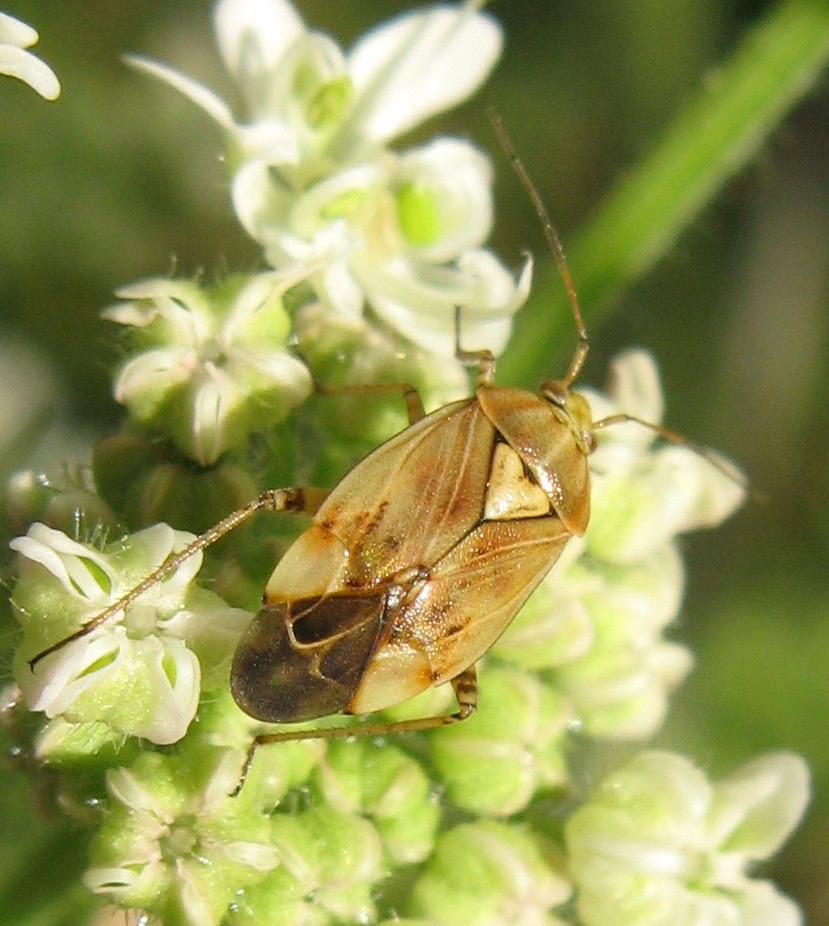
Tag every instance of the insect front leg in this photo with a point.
(304, 500)
(464, 685)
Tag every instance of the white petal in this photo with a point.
(458, 180)
(177, 681)
(131, 791)
(757, 807)
(144, 381)
(65, 559)
(213, 403)
(63, 676)
(259, 202)
(14, 62)
(419, 300)
(257, 317)
(15, 32)
(417, 65)
(268, 140)
(273, 369)
(337, 288)
(197, 93)
(161, 288)
(495, 289)
(147, 551)
(186, 310)
(252, 854)
(762, 904)
(634, 388)
(195, 910)
(253, 36)
(718, 493)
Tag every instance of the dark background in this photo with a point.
(120, 180)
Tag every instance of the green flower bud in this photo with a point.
(387, 786)
(147, 481)
(336, 857)
(489, 873)
(278, 900)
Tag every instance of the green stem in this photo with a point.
(737, 107)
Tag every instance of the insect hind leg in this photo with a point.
(464, 685)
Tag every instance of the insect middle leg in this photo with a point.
(464, 685)
(411, 397)
(304, 500)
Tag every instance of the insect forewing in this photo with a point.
(470, 598)
(404, 506)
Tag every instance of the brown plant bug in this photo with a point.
(421, 556)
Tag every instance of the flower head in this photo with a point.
(646, 493)
(314, 182)
(309, 105)
(657, 843)
(174, 843)
(141, 673)
(508, 876)
(15, 61)
(210, 367)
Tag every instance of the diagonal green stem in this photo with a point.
(716, 134)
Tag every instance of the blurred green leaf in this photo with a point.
(716, 134)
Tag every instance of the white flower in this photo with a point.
(215, 365)
(657, 843)
(401, 233)
(644, 495)
(315, 185)
(309, 105)
(141, 671)
(174, 842)
(15, 37)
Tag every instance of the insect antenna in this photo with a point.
(724, 466)
(580, 354)
(554, 243)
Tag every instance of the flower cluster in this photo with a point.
(657, 842)
(374, 254)
(393, 235)
(211, 368)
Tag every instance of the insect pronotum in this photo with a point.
(363, 612)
